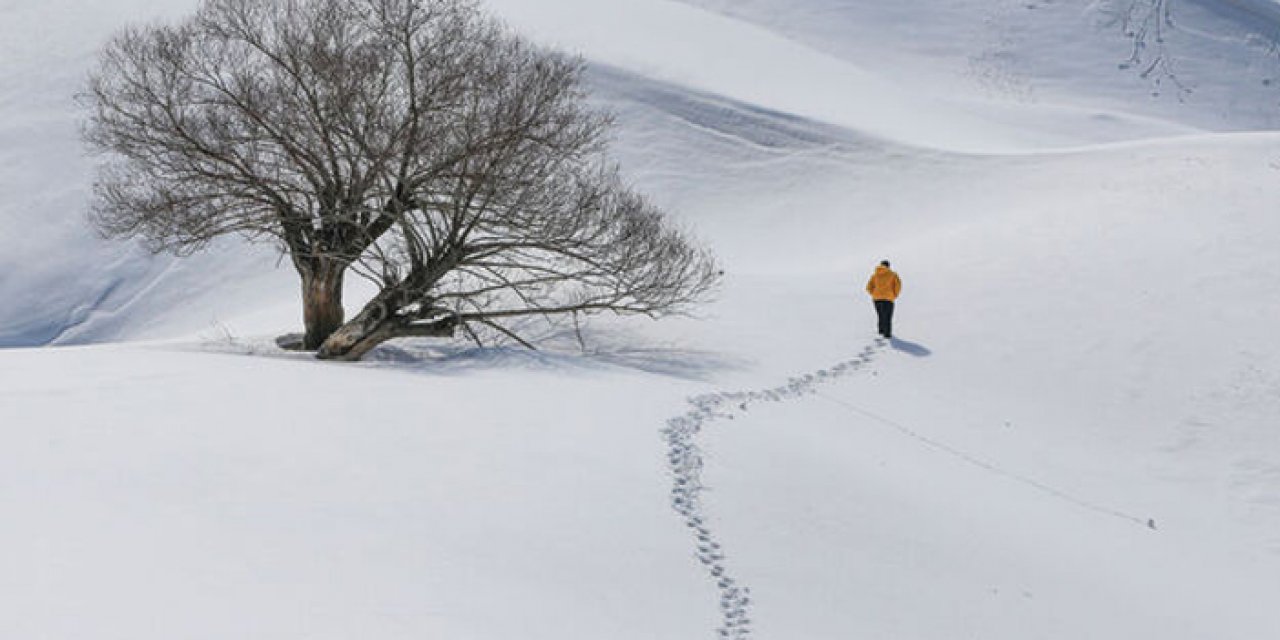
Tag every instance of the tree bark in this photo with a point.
(374, 326)
(322, 311)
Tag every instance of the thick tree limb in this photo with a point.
(415, 142)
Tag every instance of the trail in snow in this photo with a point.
(990, 467)
(685, 459)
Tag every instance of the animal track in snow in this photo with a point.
(685, 460)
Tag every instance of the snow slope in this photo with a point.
(1052, 52)
(59, 281)
(1072, 437)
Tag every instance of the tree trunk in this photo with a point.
(374, 326)
(322, 311)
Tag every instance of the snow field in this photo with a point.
(211, 496)
(1086, 344)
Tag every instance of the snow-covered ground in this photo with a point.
(1073, 437)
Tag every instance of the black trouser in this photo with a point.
(884, 309)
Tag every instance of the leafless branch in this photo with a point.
(417, 143)
(1148, 24)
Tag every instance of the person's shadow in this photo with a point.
(910, 348)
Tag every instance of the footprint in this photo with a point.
(685, 460)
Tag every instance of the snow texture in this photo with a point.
(1072, 437)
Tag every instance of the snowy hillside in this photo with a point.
(1072, 437)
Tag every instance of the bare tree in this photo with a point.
(1152, 24)
(417, 143)
(1148, 23)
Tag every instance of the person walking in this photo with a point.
(884, 287)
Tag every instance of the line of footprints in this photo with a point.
(685, 459)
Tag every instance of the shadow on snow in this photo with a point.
(600, 350)
(910, 348)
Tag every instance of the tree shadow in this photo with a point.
(558, 352)
(910, 348)
(598, 350)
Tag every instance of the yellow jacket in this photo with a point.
(884, 284)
